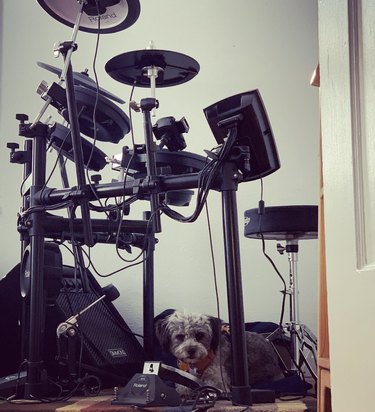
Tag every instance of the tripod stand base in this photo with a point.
(306, 341)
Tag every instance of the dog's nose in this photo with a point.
(191, 352)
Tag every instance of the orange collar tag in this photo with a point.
(197, 368)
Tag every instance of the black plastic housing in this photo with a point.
(253, 130)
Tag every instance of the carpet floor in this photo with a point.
(102, 403)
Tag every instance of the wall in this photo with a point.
(269, 45)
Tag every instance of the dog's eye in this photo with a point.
(199, 335)
(180, 337)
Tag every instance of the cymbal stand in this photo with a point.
(147, 105)
(151, 184)
(77, 148)
(300, 335)
(152, 72)
(66, 49)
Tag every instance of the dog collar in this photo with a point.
(198, 368)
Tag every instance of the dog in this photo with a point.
(202, 347)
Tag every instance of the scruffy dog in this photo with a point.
(202, 348)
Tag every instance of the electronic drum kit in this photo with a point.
(241, 120)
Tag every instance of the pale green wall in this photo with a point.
(241, 45)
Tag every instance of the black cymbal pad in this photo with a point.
(173, 68)
(112, 124)
(82, 79)
(61, 140)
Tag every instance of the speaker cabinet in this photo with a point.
(10, 321)
(104, 346)
(109, 348)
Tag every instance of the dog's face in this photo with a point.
(189, 337)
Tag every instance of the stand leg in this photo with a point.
(148, 297)
(27, 169)
(299, 333)
(308, 342)
(78, 153)
(33, 385)
(292, 250)
(146, 106)
(279, 333)
(241, 391)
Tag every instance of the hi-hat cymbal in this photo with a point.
(82, 79)
(282, 222)
(173, 68)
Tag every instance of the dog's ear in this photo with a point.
(216, 324)
(162, 334)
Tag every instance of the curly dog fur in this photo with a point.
(198, 343)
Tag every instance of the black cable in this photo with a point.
(53, 168)
(206, 178)
(97, 94)
(112, 273)
(92, 265)
(112, 208)
(148, 232)
(34, 209)
(261, 208)
(213, 261)
(59, 153)
(23, 183)
(279, 275)
(56, 161)
(216, 290)
(123, 203)
(100, 208)
(207, 392)
(97, 89)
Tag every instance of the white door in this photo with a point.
(347, 87)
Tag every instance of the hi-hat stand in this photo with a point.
(290, 224)
(301, 336)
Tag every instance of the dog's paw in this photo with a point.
(184, 391)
